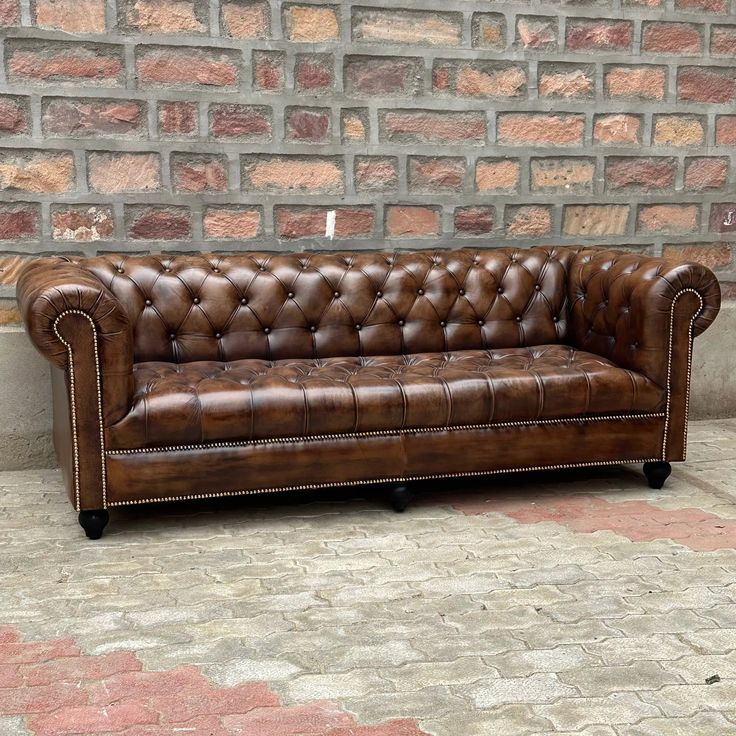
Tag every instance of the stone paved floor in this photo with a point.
(570, 603)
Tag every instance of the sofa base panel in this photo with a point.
(210, 472)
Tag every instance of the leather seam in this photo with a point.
(73, 398)
(689, 369)
(396, 479)
(382, 433)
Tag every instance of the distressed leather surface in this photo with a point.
(200, 402)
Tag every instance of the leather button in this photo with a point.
(518, 319)
(196, 300)
(216, 270)
(261, 268)
(336, 295)
(358, 327)
(499, 290)
(290, 295)
(313, 329)
(420, 292)
(172, 336)
(218, 335)
(120, 270)
(555, 319)
(461, 292)
(481, 322)
(267, 330)
(537, 287)
(148, 302)
(379, 294)
(401, 323)
(243, 301)
(443, 324)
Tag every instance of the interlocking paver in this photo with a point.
(545, 605)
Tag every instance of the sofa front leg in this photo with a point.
(400, 497)
(94, 522)
(657, 473)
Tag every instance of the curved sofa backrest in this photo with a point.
(318, 305)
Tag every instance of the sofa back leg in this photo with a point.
(94, 522)
(657, 473)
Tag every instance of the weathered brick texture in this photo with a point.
(274, 124)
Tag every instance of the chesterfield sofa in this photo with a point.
(194, 377)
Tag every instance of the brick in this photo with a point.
(436, 174)
(640, 174)
(672, 219)
(232, 223)
(488, 31)
(18, 221)
(116, 173)
(187, 67)
(36, 171)
(429, 126)
(671, 38)
(528, 221)
(706, 84)
(563, 175)
(9, 12)
(722, 217)
(644, 3)
(705, 173)
(484, 79)
(314, 73)
(723, 41)
(617, 129)
(411, 27)
(14, 115)
(407, 221)
(311, 23)
(587, 34)
(246, 19)
(308, 124)
(595, 220)
(636, 82)
(269, 71)
(163, 16)
(72, 16)
(354, 125)
(497, 175)
(178, 119)
(708, 6)
(726, 130)
(566, 80)
(522, 129)
(306, 174)
(158, 223)
(241, 122)
(82, 222)
(197, 173)
(537, 32)
(376, 173)
(92, 117)
(383, 76)
(474, 221)
(293, 223)
(59, 62)
(679, 130)
(716, 256)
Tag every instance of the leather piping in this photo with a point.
(73, 398)
(382, 433)
(334, 484)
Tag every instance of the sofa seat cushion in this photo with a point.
(206, 401)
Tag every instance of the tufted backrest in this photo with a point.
(317, 305)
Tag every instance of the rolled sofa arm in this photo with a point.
(635, 309)
(71, 315)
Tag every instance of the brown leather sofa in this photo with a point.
(183, 377)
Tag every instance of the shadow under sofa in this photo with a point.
(199, 376)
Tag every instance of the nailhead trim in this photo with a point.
(689, 368)
(382, 433)
(397, 479)
(72, 390)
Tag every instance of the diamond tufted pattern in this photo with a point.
(205, 401)
(318, 305)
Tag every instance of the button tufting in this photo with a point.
(290, 295)
(218, 335)
(120, 270)
(215, 270)
(461, 292)
(148, 302)
(243, 301)
(537, 287)
(481, 322)
(168, 270)
(313, 329)
(267, 330)
(420, 292)
(379, 294)
(172, 336)
(443, 324)
(358, 327)
(261, 267)
(555, 319)
(518, 319)
(196, 300)
(401, 323)
(336, 294)
(499, 290)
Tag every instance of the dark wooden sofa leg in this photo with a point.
(400, 497)
(94, 522)
(657, 473)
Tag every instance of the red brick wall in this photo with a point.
(229, 124)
